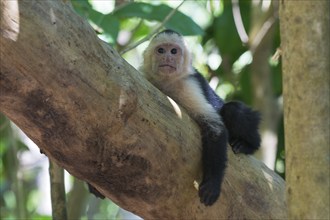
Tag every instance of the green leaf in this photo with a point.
(225, 33)
(179, 21)
(109, 23)
(95, 16)
(81, 6)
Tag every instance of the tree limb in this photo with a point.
(97, 117)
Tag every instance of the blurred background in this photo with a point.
(235, 45)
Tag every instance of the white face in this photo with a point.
(168, 58)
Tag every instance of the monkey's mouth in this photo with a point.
(166, 68)
(166, 65)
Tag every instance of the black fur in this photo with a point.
(241, 122)
(242, 125)
(214, 159)
(241, 131)
(208, 92)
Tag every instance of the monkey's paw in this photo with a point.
(209, 192)
(240, 146)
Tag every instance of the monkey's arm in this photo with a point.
(214, 136)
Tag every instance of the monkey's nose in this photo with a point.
(168, 58)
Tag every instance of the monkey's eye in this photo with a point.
(174, 51)
(161, 50)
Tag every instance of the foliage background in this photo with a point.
(226, 39)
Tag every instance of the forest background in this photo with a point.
(236, 46)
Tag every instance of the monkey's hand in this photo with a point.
(209, 191)
(240, 146)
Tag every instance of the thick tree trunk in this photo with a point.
(98, 118)
(305, 45)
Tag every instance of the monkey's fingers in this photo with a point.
(209, 192)
(240, 146)
(236, 146)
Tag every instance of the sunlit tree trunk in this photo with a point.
(305, 45)
(58, 197)
(77, 199)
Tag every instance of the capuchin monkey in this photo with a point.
(168, 66)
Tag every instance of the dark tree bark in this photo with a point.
(97, 117)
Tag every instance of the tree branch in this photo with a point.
(97, 117)
(57, 191)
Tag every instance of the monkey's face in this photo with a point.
(168, 58)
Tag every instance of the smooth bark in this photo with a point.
(305, 45)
